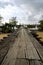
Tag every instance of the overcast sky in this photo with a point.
(26, 11)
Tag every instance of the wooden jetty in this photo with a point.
(23, 51)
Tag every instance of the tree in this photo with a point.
(41, 24)
(13, 22)
(1, 18)
(7, 28)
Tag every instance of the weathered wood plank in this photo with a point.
(31, 52)
(12, 54)
(38, 62)
(21, 45)
(22, 62)
(38, 46)
(35, 62)
(21, 53)
(22, 50)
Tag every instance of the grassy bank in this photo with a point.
(40, 35)
(4, 35)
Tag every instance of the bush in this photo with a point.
(41, 24)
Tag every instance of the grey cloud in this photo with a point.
(36, 5)
(3, 4)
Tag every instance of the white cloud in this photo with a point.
(5, 0)
(10, 11)
(26, 11)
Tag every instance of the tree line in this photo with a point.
(9, 27)
(40, 25)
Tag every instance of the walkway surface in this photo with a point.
(22, 52)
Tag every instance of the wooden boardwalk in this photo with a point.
(23, 52)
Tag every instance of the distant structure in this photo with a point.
(36, 28)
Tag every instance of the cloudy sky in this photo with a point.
(26, 11)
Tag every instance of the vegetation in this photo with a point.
(31, 26)
(40, 35)
(9, 27)
(41, 24)
(1, 18)
(6, 28)
(18, 26)
(12, 22)
(4, 35)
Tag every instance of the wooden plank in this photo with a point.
(22, 62)
(12, 54)
(35, 62)
(38, 62)
(31, 52)
(31, 62)
(21, 45)
(21, 53)
(22, 50)
(38, 47)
